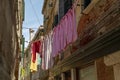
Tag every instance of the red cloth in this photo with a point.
(36, 48)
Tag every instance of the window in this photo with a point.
(67, 5)
(64, 6)
(88, 73)
(68, 75)
(46, 18)
(55, 22)
(85, 3)
(58, 77)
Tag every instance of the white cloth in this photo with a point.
(47, 60)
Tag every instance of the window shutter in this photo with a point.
(23, 10)
(67, 5)
(55, 20)
(82, 5)
(61, 9)
(86, 3)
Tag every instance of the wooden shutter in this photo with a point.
(82, 5)
(86, 3)
(61, 9)
(67, 5)
(55, 20)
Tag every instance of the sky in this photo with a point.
(33, 17)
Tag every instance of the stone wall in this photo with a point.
(8, 39)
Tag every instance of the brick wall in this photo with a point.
(98, 20)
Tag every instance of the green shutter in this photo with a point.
(23, 42)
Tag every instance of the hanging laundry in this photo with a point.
(47, 59)
(54, 44)
(49, 53)
(69, 27)
(57, 44)
(75, 35)
(33, 66)
(44, 56)
(40, 51)
(58, 38)
(62, 32)
(36, 47)
(65, 32)
(60, 35)
(38, 59)
(64, 29)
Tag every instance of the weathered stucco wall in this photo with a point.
(8, 39)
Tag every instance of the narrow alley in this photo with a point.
(59, 39)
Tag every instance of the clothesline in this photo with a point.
(35, 41)
(73, 6)
(56, 40)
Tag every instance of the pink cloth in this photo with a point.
(69, 27)
(62, 41)
(58, 39)
(65, 29)
(75, 36)
(64, 33)
(54, 44)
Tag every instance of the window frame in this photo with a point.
(78, 69)
(89, 7)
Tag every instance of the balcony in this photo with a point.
(98, 31)
(100, 20)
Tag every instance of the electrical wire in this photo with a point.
(35, 12)
(28, 28)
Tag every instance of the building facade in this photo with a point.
(11, 18)
(95, 53)
(35, 75)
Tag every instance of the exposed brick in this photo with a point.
(104, 72)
